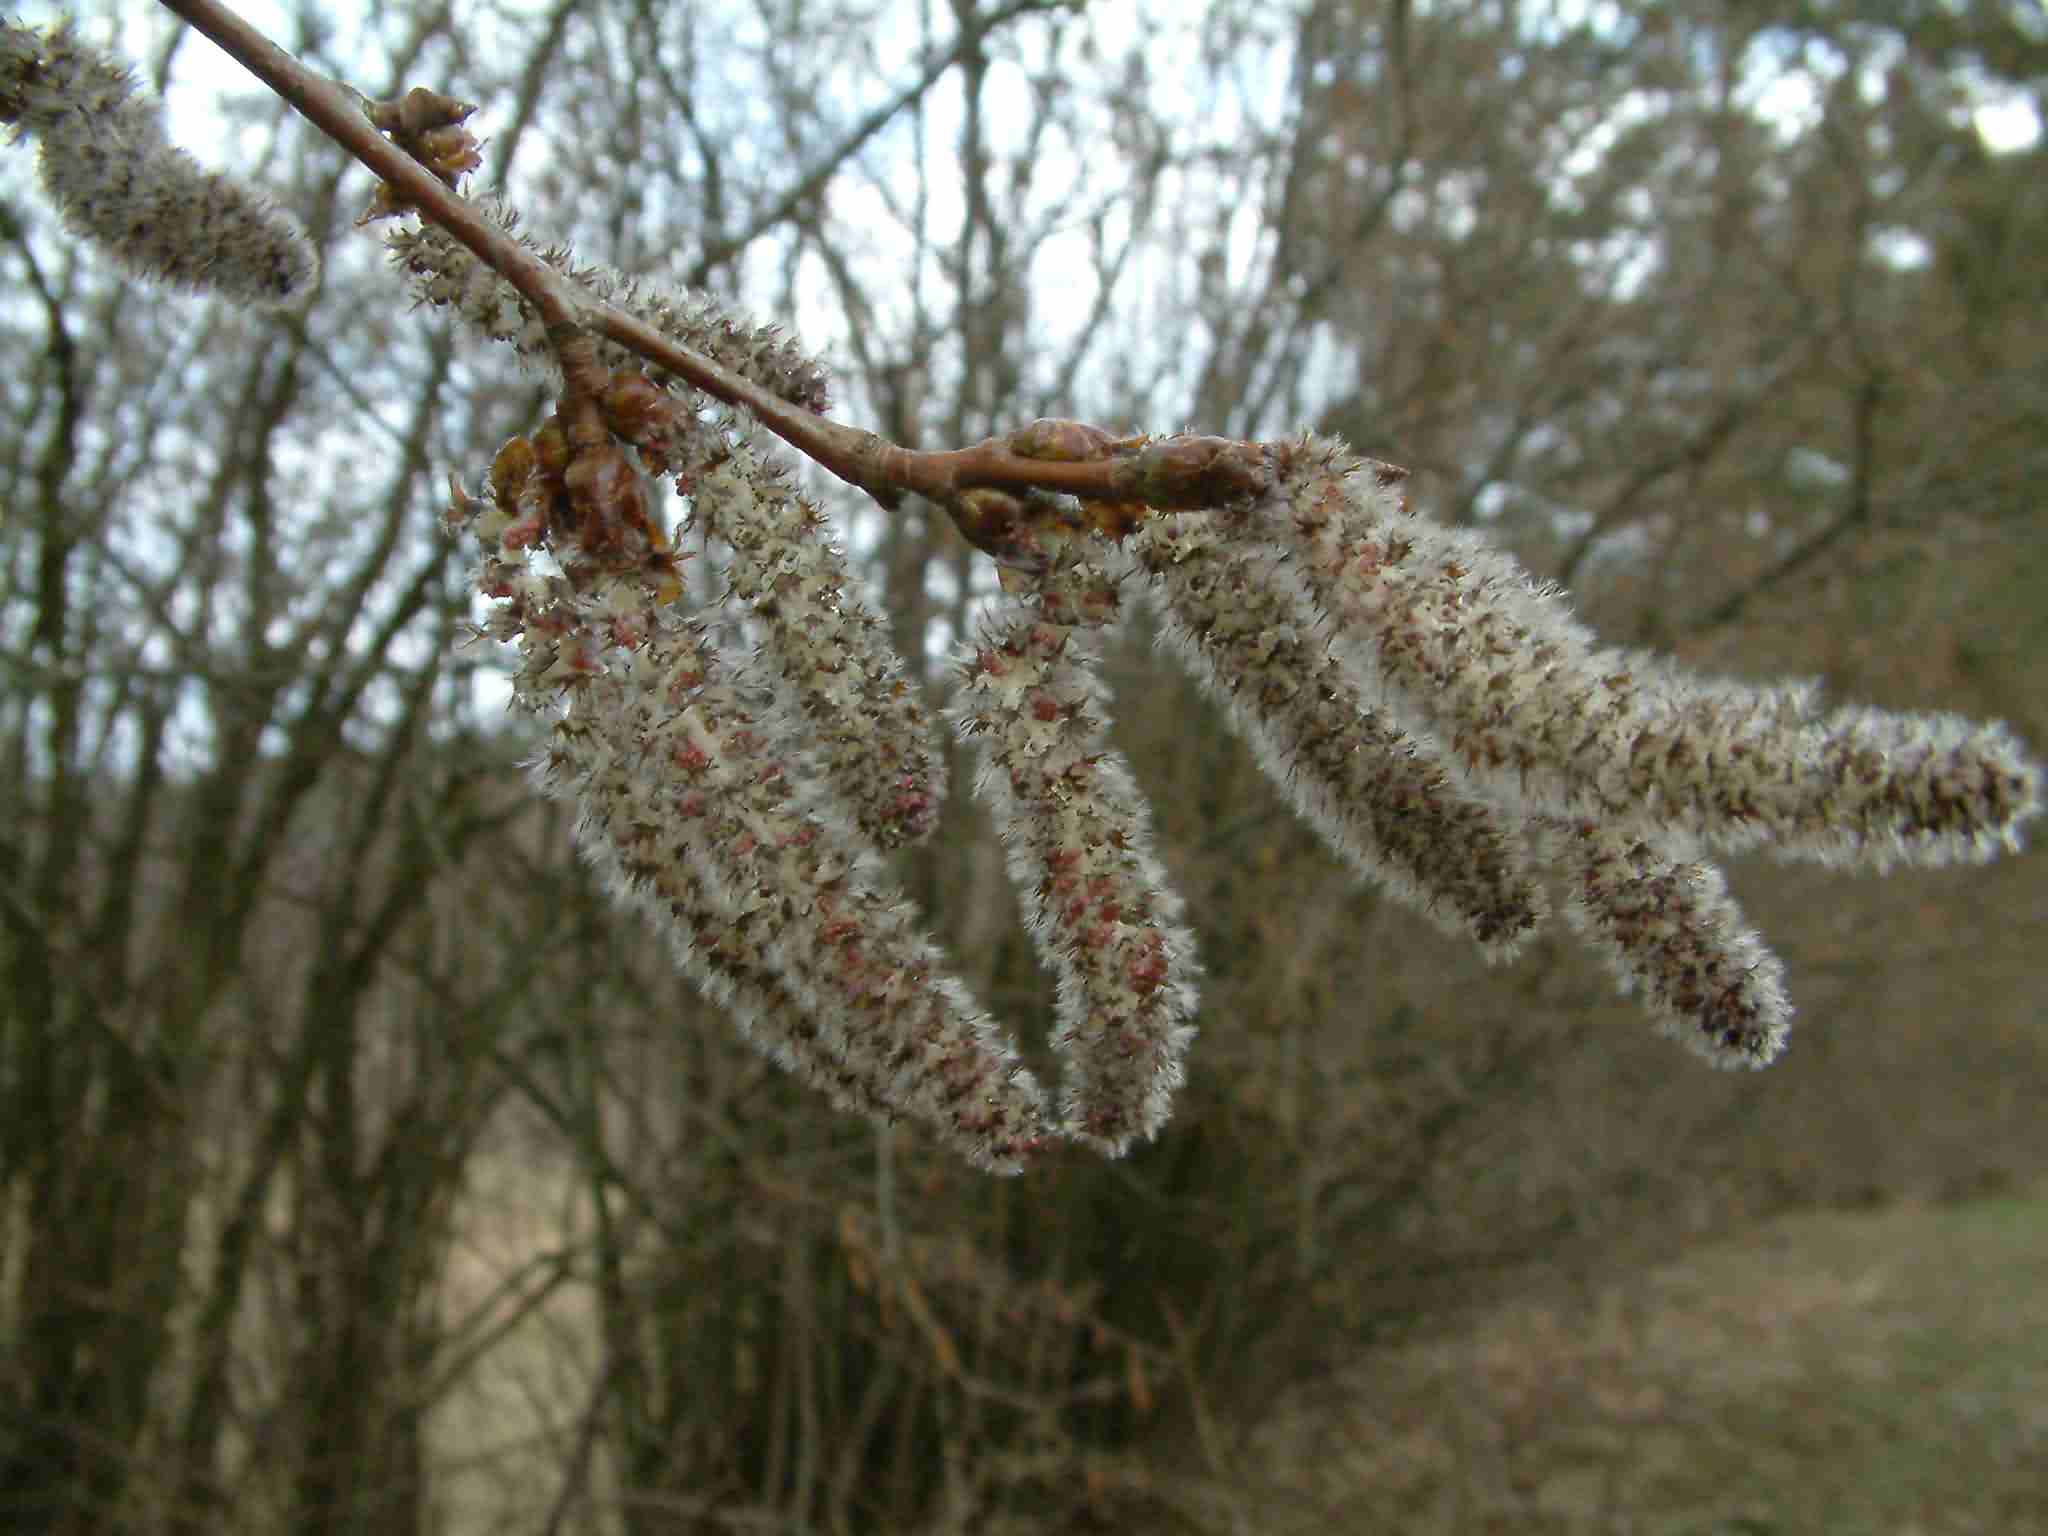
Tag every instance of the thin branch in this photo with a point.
(1166, 474)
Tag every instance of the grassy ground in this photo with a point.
(1875, 1372)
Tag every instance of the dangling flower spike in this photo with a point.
(1439, 718)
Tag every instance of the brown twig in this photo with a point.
(1163, 474)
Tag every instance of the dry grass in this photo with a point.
(1837, 1372)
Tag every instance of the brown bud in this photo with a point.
(512, 472)
(1114, 519)
(418, 111)
(606, 493)
(450, 153)
(635, 407)
(989, 520)
(1061, 442)
(551, 450)
(1020, 532)
(387, 202)
(1193, 472)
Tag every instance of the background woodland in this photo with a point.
(362, 1171)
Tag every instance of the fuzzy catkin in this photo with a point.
(862, 723)
(445, 274)
(118, 182)
(690, 801)
(1668, 929)
(1236, 612)
(1538, 715)
(677, 775)
(1079, 838)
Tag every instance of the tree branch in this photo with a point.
(1164, 474)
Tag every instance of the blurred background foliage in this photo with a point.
(360, 1172)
